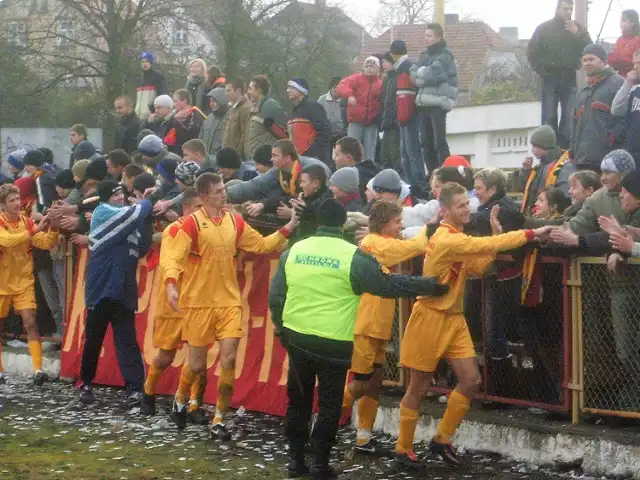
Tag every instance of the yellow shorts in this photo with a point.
(205, 326)
(22, 301)
(433, 334)
(368, 353)
(167, 332)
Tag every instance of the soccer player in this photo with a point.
(17, 283)
(437, 327)
(209, 240)
(374, 322)
(167, 333)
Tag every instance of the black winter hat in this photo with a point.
(107, 189)
(143, 182)
(398, 47)
(84, 151)
(34, 158)
(631, 183)
(65, 180)
(228, 158)
(595, 49)
(97, 170)
(331, 214)
(48, 155)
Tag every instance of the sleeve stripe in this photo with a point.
(133, 215)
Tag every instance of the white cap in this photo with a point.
(163, 101)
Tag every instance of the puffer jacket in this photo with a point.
(436, 77)
(368, 92)
(596, 131)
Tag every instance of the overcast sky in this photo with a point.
(524, 14)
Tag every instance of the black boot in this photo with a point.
(297, 466)
(320, 467)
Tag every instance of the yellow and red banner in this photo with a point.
(262, 364)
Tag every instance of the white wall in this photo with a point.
(493, 135)
(57, 139)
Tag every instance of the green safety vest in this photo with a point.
(320, 300)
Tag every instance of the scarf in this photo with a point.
(291, 188)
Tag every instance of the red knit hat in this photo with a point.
(456, 161)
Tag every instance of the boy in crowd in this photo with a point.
(117, 160)
(346, 190)
(374, 322)
(262, 159)
(232, 168)
(313, 182)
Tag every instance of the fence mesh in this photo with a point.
(611, 337)
(392, 369)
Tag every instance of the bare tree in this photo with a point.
(403, 12)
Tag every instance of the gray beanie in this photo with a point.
(346, 179)
(544, 137)
(595, 49)
(387, 181)
(618, 161)
(151, 145)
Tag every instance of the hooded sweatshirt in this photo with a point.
(212, 131)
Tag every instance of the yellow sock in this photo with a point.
(187, 377)
(35, 350)
(367, 410)
(408, 424)
(197, 389)
(457, 408)
(348, 399)
(225, 392)
(153, 377)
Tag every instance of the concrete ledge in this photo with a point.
(599, 451)
(17, 361)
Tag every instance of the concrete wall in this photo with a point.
(57, 139)
(493, 135)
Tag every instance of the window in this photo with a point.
(65, 32)
(180, 35)
(17, 34)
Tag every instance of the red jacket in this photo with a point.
(367, 91)
(405, 93)
(621, 59)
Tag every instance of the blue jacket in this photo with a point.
(117, 239)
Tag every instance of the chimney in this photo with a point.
(321, 3)
(451, 19)
(510, 34)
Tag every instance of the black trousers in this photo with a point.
(433, 136)
(124, 337)
(303, 370)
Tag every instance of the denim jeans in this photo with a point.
(411, 155)
(433, 136)
(367, 136)
(559, 90)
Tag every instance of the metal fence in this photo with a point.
(609, 348)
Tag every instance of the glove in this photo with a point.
(439, 289)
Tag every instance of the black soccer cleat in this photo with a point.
(220, 432)
(371, 448)
(297, 468)
(446, 452)
(3, 379)
(86, 395)
(179, 416)
(408, 461)
(198, 417)
(39, 378)
(148, 405)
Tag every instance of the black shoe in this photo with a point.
(371, 448)
(220, 432)
(198, 417)
(179, 416)
(148, 405)
(39, 378)
(297, 467)
(446, 452)
(408, 461)
(322, 471)
(86, 395)
(3, 379)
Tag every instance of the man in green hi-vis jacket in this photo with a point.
(314, 298)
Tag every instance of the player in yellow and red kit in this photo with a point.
(167, 333)
(374, 322)
(437, 327)
(211, 298)
(17, 283)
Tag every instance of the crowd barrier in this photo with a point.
(575, 351)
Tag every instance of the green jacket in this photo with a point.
(601, 203)
(365, 276)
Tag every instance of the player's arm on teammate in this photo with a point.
(392, 251)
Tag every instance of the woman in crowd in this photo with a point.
(551, 203)
(629, 43)
(197, 83)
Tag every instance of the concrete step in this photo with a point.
(520, 436)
